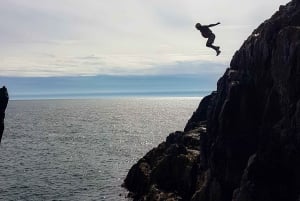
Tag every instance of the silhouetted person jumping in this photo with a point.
(207, 33)
(3, 104)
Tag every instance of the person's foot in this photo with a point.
(217, 48)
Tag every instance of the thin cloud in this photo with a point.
(64, 37)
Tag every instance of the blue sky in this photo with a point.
(113, 37)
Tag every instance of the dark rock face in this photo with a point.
(243, 141)
(3, 104)
(168, 171)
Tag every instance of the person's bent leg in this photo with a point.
(210, 40)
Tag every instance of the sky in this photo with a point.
(52, 38)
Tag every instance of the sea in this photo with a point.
(82, 149)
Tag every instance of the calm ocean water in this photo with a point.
(82, 149)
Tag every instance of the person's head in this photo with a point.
(198, 26)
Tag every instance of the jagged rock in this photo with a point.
(3, 104)
(168, 171)
(200, 115)
(243, 141)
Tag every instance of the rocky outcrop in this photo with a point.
(168, 171)
(3, 104)
(243, 141)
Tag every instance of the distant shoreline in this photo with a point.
(112, 95)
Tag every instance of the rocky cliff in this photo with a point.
(243, 142)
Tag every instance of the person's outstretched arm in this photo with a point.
(212, 25)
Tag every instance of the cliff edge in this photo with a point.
(243, 141)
